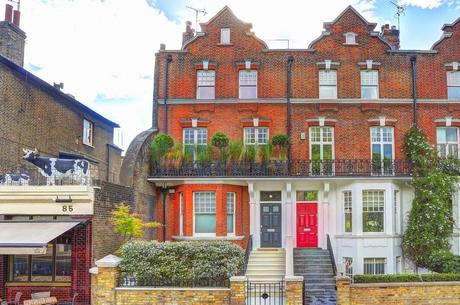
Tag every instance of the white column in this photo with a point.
(290, 222)
(252, 216)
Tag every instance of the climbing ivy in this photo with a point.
(430, 221)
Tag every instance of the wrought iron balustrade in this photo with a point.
(293, 168)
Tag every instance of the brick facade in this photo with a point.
(447, 293)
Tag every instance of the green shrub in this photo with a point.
(181, 260)
(444, 262)
(249, 153)
(386, 278)
(441, 277)
(264, 153)
(221, 141)
(160, 146)
(280, 140)
(235, 150)
(430, 221)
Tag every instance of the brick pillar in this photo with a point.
(81, 262)
(237, 287)
(104, 280)
(294, 290)
(343, 290)
(221, 211)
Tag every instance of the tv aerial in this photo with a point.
(400, 11)
(197, 12)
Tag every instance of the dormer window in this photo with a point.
(350, 38)
(225, 36)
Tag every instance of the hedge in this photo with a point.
(185, 261)
(386, 278)
(406, 278)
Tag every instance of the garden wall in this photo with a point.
(425, 293)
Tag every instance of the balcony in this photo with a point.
(293, 168)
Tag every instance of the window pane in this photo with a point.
(248, 77)
(348, 211)
(374, 265)
(373, 211)
(376, 154)
(315, 152)
(63, 262)
(441, 135)
(327, 92)
(369, 92)
(262, 135)
(202, 136)
(307, 196)
(453, 78)
(328, 77)
(453, 93)
(230, 211)
(205, 212)
(248, 92)
(225, 36)
(230, 223)
(205, 93)
(388, 151)
(205, 84)
(20, 272)
(451, 134)
(42, 266)
(327, 152)
(369, 78)
(270, 196)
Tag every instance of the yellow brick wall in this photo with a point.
(294, 292)
(446, 293)
(176, 296)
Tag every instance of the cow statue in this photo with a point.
(54, 169)
(14, 179)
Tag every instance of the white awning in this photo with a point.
(30, 237)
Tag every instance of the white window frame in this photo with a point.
(195, 139)
(194, 213)
(256, 135)
(397, 212)
(376, 72)
(350, 38)
(453, 82)
(448, 143)
(321, 142)
(384, 171)
(374, 261)
(88, 132)
(345, 212)
(252, 85)
(225, 37)
(327, 85)
(200, 84)
(373, 205)
(234, 212)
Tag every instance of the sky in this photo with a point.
(103, 50)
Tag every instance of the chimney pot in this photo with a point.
(162, 47)
(16, 18)
(9, 13)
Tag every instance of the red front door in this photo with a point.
(307, 225)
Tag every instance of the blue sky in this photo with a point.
(103, 50)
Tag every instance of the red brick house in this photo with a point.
(346, 102)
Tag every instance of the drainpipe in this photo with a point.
(164, 193)
(168, 61)
(288, 109)
(413, 62)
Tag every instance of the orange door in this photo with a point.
(307, 225)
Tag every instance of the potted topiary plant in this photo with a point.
(221, 142)
(160, 146)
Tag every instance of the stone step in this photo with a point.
(266, 267)
(321, 280)
(273, 278)
(316, 275)
(266, 260)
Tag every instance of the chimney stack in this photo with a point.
(189, 32)
(12, 38)
(391, 35)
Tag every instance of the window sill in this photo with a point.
(38, 284)
(225, 44)
(208, 237)
(89, 145)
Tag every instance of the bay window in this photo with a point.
(373, 211)
(328, 84)
(453, 85)
(255, 135)
(231, 201)
(205, 213)
(447, 141)
(248, 84)
(321, 149)
(369, 84)
(206, 82)
(347, 211)
(382, 150)
(374, 265)
(195, 141)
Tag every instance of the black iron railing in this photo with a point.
(132, 281)
(246, 255)
(331, 254)
(293, 168)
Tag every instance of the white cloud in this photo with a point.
(106, 48)
(425, 4)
